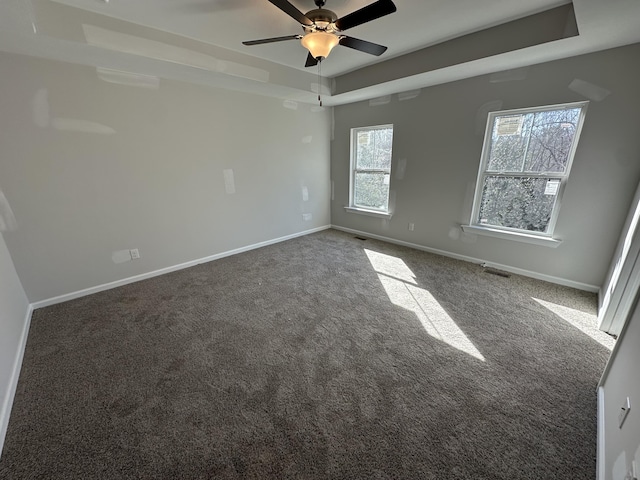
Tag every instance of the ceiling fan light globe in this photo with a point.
(320, 44)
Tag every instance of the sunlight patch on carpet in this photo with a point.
(390, 266)
(585, 322)
(400, 285)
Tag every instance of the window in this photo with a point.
(370, 169)
(525, 164)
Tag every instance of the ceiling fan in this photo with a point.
(322, 29)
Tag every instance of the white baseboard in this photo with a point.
(506, 268)
(7, 402)
(136, 278)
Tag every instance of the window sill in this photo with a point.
(370, 213)
(517, 236)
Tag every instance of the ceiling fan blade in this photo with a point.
(311, 61)
(363, 46)
(366, 14)
(292, 11)
(271, 40)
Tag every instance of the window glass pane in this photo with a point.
(524, 203)
(509, 142)
(533, 142)
(550, 140)
(371, 190)
(373, 149)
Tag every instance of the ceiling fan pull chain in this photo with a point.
(319, 80)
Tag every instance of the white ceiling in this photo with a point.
(227, 23)
(200, 40)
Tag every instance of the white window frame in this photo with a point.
(353, 208)
(540, 238)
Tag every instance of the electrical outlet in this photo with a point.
(411, 227)
(135, 253)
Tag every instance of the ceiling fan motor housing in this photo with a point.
(322, 20)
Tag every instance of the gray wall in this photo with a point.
(621, 445)
(90, 168)
(439, 135)
(13, 311)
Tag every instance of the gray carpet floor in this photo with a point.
(320, 357)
